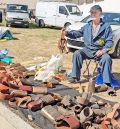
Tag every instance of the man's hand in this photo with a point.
(99, 53)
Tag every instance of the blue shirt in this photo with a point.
(102, 41)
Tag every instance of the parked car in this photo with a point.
(17, 15)
(112, 18)
(57, 14)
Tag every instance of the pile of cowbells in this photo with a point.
(65, 112)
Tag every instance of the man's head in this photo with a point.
(96, 12)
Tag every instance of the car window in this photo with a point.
(74, 10)
(85, 20)
(111, 18)
(17, 8)
(63, 10)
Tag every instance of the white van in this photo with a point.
(17, 14)
(57, 14)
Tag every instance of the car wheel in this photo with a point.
(41, 23)
(27, 26)
(116, 53)
(67, 24)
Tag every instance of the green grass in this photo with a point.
(33, 26)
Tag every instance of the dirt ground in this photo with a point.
(35, 45)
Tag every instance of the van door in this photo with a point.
(51, 14)
(62, 16)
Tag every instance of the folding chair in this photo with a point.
(88, 65)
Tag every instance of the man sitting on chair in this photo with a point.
(98, 42)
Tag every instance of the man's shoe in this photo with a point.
(74, 80)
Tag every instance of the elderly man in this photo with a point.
(98, 41)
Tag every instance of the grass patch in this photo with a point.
(33, 25)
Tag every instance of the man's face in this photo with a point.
(95, 14)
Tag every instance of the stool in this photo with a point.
(88, 65)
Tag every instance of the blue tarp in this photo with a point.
(114, 82)
(4, 58)
(6, 35)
